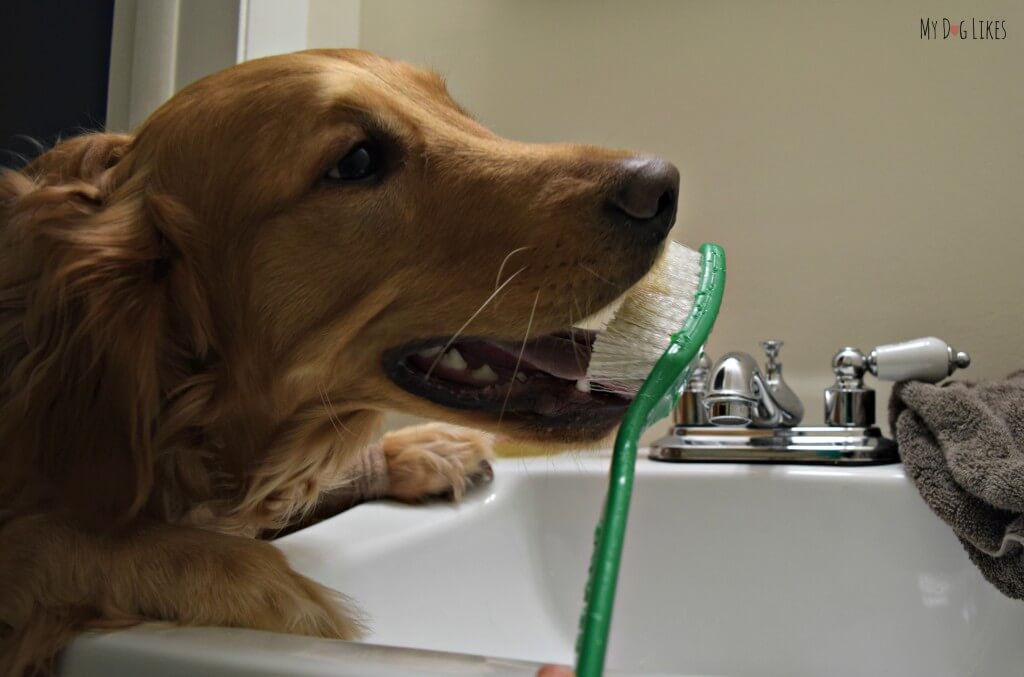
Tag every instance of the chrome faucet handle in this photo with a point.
(849, 365)
(783, 399)
(771, 348)
(690, 407)
(848, 402)
(699, 376)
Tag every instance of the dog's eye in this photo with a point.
(361, 163)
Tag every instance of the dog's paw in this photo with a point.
(436, 460)
(302, 606)
(257, 588)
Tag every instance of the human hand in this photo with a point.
(555, 671)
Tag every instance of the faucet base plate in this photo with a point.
(826, 445)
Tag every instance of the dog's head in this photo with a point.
(401, 255)
(330, 226)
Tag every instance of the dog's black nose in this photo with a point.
(646, 198)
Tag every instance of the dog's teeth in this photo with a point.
(521, 377)
(428, 353)
(453, 360)
(484, 374)
(583, 385)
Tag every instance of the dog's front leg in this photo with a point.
(56, 580)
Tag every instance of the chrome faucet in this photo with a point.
(739, 394)
(733, 411)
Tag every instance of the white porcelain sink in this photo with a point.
(728, 570)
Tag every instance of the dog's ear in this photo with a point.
(87, 258)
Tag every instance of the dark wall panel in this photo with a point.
(54, 61)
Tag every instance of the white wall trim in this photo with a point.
(242, 35)
(274, 27)
(143, 60)
(159, 46)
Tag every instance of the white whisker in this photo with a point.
(576, 302)
(501, 268)
(471, 318)
(595, 274)
(519, 359)
(329, 408)
(580, 363)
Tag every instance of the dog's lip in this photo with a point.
(542, 380)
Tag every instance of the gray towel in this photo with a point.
(963, 446)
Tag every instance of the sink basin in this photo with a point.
(728, 570)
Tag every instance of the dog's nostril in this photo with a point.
(666, 202)
(647, 195)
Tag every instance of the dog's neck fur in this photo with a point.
(229, 445)
(264, 447)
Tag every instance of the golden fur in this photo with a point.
(191, 327)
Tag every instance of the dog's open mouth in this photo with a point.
(543, 378)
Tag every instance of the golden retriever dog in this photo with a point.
(202, 323)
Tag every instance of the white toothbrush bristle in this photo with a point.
(654, 309)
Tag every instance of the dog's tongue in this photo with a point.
(562, 355)
(566, 356)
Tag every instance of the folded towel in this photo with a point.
(963, 446)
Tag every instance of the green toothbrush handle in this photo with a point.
(655, 399)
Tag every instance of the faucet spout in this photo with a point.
(733, 392)
(740, 394)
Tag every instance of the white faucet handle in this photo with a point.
(925, 359)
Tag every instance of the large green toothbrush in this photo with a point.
(655, 399)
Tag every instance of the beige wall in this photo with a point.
(868, 186)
